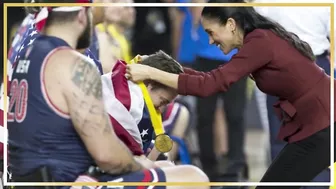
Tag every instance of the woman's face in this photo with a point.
(224, 36)
(127, 15)
(112, 13)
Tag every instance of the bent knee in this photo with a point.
(184, 113)
(164, 164)
(182, 123)
(194, 173)
(185, 173)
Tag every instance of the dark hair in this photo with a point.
(248, 20)
(53, 16)
(162, 61)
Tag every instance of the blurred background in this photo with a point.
(231, 136)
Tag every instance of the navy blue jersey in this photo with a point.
(94, 47)
(93, 52)
(91, 56)
(40, 134)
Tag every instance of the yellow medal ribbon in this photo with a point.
(163, 142)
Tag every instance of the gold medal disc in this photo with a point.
(163, 143)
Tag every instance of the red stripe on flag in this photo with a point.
(1, 118)
(1, 124)
(120, 84)
(124, 136)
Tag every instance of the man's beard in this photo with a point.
(84, 40)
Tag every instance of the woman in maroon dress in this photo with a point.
(282, 65)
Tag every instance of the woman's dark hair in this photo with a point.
(248, 20)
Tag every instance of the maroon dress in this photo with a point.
(279, 70)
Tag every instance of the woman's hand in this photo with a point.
(138, 72)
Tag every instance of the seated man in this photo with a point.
(127, 109)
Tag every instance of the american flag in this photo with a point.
(124, 106)
(24, 37)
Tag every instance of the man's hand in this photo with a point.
(145, 162)
(153, 154)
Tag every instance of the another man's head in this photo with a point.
(122, 16)
(161, 95)
(112, 13)
(76, 22)
(127, 15)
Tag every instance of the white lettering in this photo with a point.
(23, 66)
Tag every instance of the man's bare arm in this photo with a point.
(153, 154)
(176, 21)
(83, 93)
(108, 53)
(196, 12)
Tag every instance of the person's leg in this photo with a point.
(205, 109)
(162, 164)
(191, 139)
(323, 62)
(234, 106)
(183, 173)
(176, 122)
(189, 101)
(277, 145)
(300, 161)
(220, 130)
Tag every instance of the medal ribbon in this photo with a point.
(155, 116)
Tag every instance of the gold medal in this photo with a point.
(163, 143)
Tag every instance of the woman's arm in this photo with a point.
(192, 71)
(256, 52)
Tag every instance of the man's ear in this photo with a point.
(149, 85)
(82, 17)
